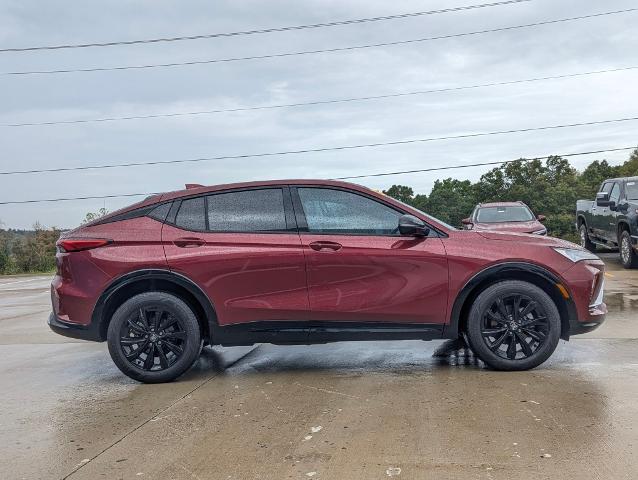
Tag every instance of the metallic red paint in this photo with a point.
(251, 277)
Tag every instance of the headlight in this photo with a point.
(576, 254)
(542, 231)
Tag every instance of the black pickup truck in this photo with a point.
(611, 221)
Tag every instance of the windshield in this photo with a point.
(503, 214)
(435, 220)
(632, 190)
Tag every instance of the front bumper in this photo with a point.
(73, 330)
(597, 314)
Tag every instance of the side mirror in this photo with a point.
(468, 223)
(541, 218)
(410, 225)
(602, 199)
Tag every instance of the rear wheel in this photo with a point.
(628, 255)
(585, 242)
(154, 337)
(513, 325)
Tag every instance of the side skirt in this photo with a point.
(306, 333)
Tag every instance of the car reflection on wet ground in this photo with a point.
(337, 411)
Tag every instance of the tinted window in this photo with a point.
(161, 211)
(615, 193)
(191, 214)
(504, 214)
(632, 190)
(336, 211)
(247, 211)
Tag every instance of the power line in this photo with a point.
(68, 199)
(421, 170)
(320, 102)
(264, 30)
(312, 52)
(322, 149)
(452, 167)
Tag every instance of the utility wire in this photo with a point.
(320, 102)
(421, 170)
(264, 30)
(311, 52)
(452, 167)
(315, 150)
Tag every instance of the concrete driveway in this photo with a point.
(341, 411)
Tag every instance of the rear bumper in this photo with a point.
(73, 330)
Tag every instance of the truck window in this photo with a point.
(615, 193)
(632, 190)
(606, 188)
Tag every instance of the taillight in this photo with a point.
(79, 244)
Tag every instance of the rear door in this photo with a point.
(242, 248)
(360, 269)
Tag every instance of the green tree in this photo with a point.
(401, 193)
(451, 200)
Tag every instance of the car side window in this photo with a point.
(340, 212)
(191, 214)
(247, 211)
(615, 193)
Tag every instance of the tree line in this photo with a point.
(550, 188)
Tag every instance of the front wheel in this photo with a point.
(513, 325)
(154, 337)
(628, 255)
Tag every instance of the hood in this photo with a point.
(520, 227)
(526, 237)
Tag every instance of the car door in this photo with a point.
(599, 214)
(242, 248)
(360, 269)
(609, 222)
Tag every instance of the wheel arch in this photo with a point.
(133, 283)
(581, 220)
(621, 227)
(528, 272)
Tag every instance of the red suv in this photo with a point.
(312, 261)
(505, 217)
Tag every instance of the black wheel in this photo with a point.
(628, 255)
(154, 337)
(513, 325)
(585, 242)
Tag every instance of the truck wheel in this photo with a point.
(628, 255)
(513, 325)
(585, 242)
(154, 337)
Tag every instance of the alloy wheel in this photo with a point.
(152, 339)
(583, 238)
(514, 326)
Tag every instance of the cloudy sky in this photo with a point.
(592, 44)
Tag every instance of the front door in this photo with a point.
(242, 248)
(360, 269)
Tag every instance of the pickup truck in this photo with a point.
(611, 221)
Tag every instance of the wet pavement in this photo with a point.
(340, 411)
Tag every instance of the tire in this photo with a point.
(492, 330)
(628, 256)
(158, 324)
(585, 242)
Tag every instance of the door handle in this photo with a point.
(319, 246)
(189, 242)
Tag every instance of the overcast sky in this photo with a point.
(592, 44)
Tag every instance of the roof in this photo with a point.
(501, 204)
(198, 190)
